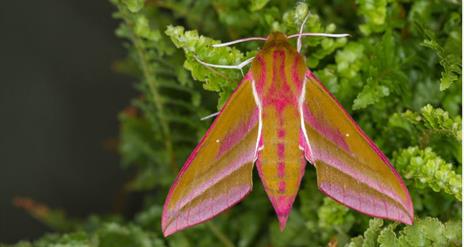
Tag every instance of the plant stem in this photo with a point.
(148, 74)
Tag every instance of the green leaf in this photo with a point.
(256, 5)
(387, 237)
(199, 47)
(427, 232)
(439, 120)
(432, 127)
(428, 169)
(449, 58)
(350, 60)
(424, 232)
(433, 119)
(374, 13)
(134, 5)
(369, 238)
(369, 95)
(115, 235)
(333, 215)
(143, 29)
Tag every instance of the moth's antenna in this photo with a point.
(238, 66)
(298, 42)
(239, 41)
(330, 35)
(209, 116)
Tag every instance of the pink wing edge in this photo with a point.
(168, 232)
(376, 149)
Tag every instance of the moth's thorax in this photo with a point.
(278, 71)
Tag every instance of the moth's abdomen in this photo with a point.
(281, 162)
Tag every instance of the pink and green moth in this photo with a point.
(281, 116)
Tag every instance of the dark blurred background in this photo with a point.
(59, 101)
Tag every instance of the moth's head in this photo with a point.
(276, 39)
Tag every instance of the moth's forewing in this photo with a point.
(351, 169)
(218, 173)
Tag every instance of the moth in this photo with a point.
(281, 117)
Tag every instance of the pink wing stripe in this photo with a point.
(237, 134)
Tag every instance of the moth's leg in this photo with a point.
(220, 66)
(209, 116)
(238, 66)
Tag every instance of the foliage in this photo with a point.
(108, 235)
(399, 75)
(428, 169)
(425, 232)
(432, 127)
